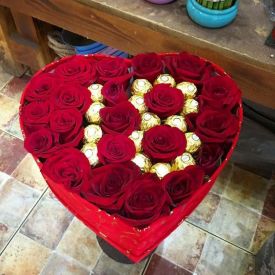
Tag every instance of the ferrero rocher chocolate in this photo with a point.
(190, 106)
(149, 120)
(92, 115)
(92, 133)
(161, 169)
(90, 151)
(138, 102)
(96, 94)
(165, 79)
(141, 87)
(177, 121)
(193, 142)
(137, 137)
(183, 161)
(142, 162)
(188, 89)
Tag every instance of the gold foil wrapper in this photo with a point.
(193, 142)
(183, 161)
(137, 137)
(142, 162)
(188, 89)
(141, 87)
(165, 79)
(96, 94)
(161, 169)
(92, 133)
(90, 151)
(177, 121)
(138, 102)
(190, 106)
(149, 120)
(92, 115)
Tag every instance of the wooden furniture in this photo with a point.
(138, 26)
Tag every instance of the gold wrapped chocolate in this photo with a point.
(188, 89)
(161, 169)
(92, 133)
(177, 121)
(149, 120)
(137, 137)
(193, 142)
(141, 87)
(165, 79)
(142, 162)
(138, 102)
(182, 162)
(190, 106)
(92, 115)
(96, 94)
(90, 151)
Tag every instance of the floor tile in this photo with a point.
(160, 266)
(47, 222)
(3, 177)
(13, 128)
(247, 189)
(234, 223)
(269, 204)
(23, 256)
(9, 110)
(203, 214)
(219, 257)
(28, 173)
(11, 152)
(107, 266)
(61, 265)
(4, 78)
(15, 87)
(264, 230)
(184, 246)
(80, 243)
(16, 200)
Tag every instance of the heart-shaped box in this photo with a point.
(134, 243)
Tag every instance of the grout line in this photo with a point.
(8, 133)
(147, 263)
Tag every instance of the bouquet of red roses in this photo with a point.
(131, 147)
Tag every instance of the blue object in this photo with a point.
(211, 18)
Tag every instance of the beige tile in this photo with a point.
(28, 173)
(3, 177)
(80, 243)
(234, 223)
(13, 127)
(23, 256)
(247, 189)
(184, 246)
(219, 257)
(5, 77)
(62, 265)
(47, 222)
(9, 110)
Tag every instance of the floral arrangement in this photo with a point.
(131, 146)
(217, 4)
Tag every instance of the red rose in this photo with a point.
(147, 66)
(42, 143)
(191, 121)
(186, 67)
(220, 92)
(35, 115)
(68, 123)
(70, 96)
(76, 69)
(209, 157)
(215, 126)
(115, 148)
(41, 87)
(109, 67)
(123, 118)
(69, 167)
(144, 201)
(181, 185)
(164, 100)
(163, 143)
(108, 183)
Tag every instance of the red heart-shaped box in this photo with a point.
(134, 243)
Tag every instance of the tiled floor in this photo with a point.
(39, 236)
